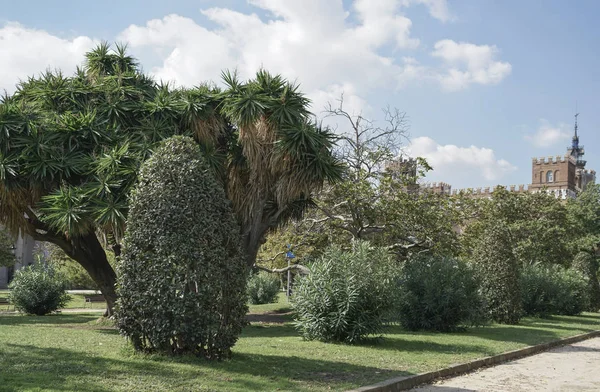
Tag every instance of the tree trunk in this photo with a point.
(253, 238)
(88, 252)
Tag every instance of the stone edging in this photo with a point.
(407, 382)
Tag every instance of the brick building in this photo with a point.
(564, 175)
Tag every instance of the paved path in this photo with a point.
(569, 368)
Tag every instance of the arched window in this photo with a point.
(556, 176)
(549, 176)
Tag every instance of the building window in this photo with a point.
(556, 176)
(549, 176)
(541, 177)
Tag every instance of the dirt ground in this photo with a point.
(570, 368)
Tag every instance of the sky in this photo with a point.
(485, 84)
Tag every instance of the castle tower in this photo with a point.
(565, 176)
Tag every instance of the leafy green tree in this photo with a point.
(499, 272)
(587, 265)
(7, 256)
(182, 277)
(584, 218)
(538, 222)
(371, 204)
(71, 148)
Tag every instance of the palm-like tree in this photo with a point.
(70, 149)
(279, 158)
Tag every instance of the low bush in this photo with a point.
(263, 288)
(345, 297)
(553, 290)
(438, 294)
(38, 289)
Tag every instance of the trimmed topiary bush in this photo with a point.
(438, 294)
(587, 265)
(38, 289)
(498, 270)
(263, 288)
(346, 295)
(548, 290)
(182, 277)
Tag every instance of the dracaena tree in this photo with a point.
(71, 148)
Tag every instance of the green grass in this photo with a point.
(78, 302)
(72, 352)
(281, 306)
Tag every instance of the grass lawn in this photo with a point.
(78, 301)
(72, 352)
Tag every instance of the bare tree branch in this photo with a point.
(301, 269)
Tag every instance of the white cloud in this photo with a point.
(312, 41)
(458, 165)
(437, 8)
(549, 135)
(26, 52)
(469, 63)
(358, 49)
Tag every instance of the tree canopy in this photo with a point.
(71, 148)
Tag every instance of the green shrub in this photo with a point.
(263, 288)
(182, 277)
(38, 289)
(438, 294)
(573, 296)
(553, 290)
(539, 291)
(498, 270)
(587, 265)
(346, 295)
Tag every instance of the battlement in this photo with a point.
(553, 159)
(433, 185)
(436, 187)
(487, 191)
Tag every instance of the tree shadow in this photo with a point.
(27, 367)
(269, 331)
(22, 319)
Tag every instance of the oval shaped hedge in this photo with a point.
(182, 278)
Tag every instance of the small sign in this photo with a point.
(290, 255)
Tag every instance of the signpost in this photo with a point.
(289, 255)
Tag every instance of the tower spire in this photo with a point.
(575, 144)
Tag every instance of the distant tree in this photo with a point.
(587, 265)
(370, 203)
(182, 277)
(498, 270)
(538, 222)
(584, 217)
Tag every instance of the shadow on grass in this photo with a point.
(53, 319)
(29, 367)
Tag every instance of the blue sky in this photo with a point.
(486, 84)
